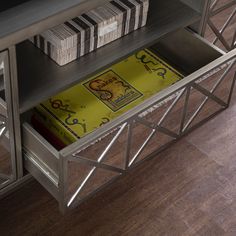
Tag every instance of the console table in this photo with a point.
(175, 29)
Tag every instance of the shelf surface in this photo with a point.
(21, 19)
(40, 77)
(6, 4)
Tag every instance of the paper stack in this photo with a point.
(91, 30)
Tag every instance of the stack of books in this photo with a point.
(91, 30)
(87, 106)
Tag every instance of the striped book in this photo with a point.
(91, 30)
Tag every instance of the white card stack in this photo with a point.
(89, 31)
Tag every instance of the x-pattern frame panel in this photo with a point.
(185, 126)
(215, 9)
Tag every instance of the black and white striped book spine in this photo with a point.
(91, 30)
(145, 12)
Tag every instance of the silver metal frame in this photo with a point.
(116, 128)
(9, 110)
(15, 111)
(211, 10)
(58, 182)
(7, 126)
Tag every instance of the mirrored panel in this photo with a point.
(7, 152)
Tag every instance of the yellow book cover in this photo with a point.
(81, 109)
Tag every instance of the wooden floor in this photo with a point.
(188, 189)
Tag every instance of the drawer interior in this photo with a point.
(185, 51)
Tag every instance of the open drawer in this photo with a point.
(82, 168)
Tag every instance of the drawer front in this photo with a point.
(89, 164)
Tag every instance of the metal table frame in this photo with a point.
(213, 9)
(72, 154)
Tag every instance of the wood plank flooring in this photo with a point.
(188, 189)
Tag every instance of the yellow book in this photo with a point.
(81, 109)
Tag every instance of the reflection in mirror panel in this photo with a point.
(6, 159)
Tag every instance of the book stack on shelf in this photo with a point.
(93, 29)
(80, 110)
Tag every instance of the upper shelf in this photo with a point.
(6, 4)
(21, 19)
(40, 77)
